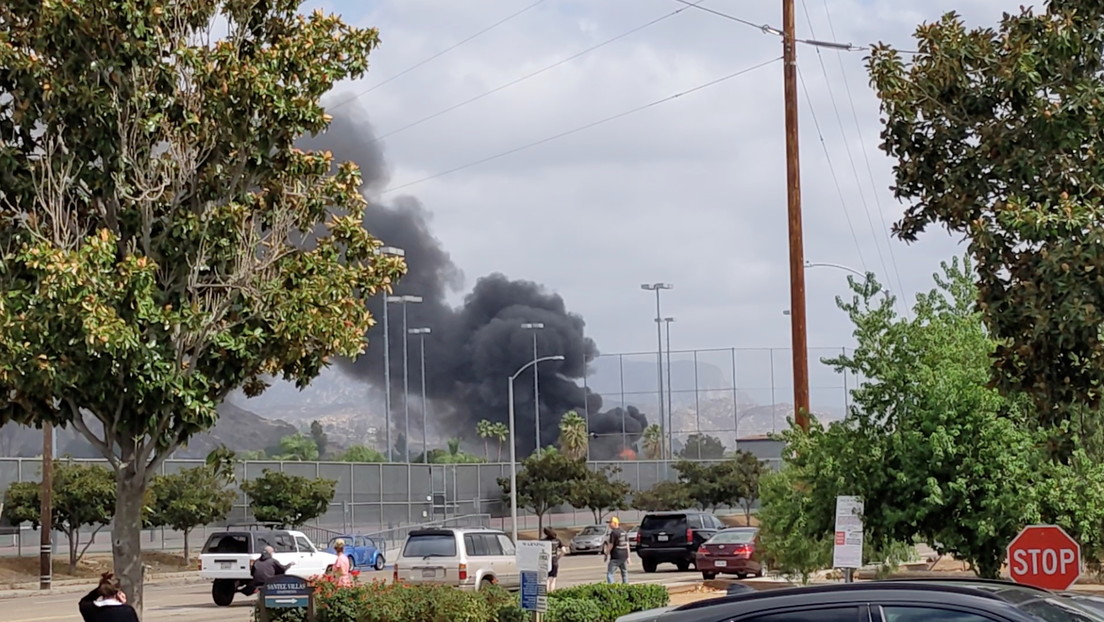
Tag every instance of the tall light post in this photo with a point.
(535, 326)
(405, 301)
(670, 409)
(394, 252)
(658, 287)
(422, 332)
(513, 440)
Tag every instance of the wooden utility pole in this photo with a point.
(793, 204)
(45, 524)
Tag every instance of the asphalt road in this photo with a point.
(189, 603)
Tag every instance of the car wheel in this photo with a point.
(380, 562)
(682, 566)
(741, 576)
(222, 592)
(709, 576)
(649, 565)
(487, 582)
(759, 573)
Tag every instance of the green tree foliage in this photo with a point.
(702, 447)
(934, 453)
(298, 447)
(153, 216)
(360, 453)
(574, 436)
(452, 455)
(599, 492)
(82, 496)
(193, 497)
(545, 481)
(485, 431)
(997, 134)
(289, 500)
(791, 530)
(318, 435)
(653, 442)
(662, 496)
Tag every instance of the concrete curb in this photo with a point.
(30, 590)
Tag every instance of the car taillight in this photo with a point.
(689, 535)
(395, 574)
(702, 550)
(463, 572)
(638, 537)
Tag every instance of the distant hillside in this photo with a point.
(238, 429)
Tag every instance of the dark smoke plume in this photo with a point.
(475, 348)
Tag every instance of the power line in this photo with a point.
(583, 127)
(865, 152)
(437, 55)
(533, 74)
(832, 170)
(847, 148)
(874, 190)
(771, 30)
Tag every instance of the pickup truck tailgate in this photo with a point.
(225, 566)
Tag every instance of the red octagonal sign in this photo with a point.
(1044, 556)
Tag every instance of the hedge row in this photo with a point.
(396, 602)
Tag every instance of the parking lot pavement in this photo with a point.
(193, 602)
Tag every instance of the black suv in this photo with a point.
(910, 600)
(674, 537)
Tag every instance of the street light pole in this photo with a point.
(657, 287)
(863, 275)
(394, 252)
(535, 326)
(422, 332)
(670, 409)
(404, 301)
(513, 439)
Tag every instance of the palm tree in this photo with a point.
(454, 446)
(485, 430)
(653, 442)
(573, 435)
(500, 432)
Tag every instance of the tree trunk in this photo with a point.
(540, 523)
(73, 535)
(126, 532)
(187, 532)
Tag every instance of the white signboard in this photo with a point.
(534, 561)
(849, 533)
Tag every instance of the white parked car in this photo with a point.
(228, 556)
(467, 558)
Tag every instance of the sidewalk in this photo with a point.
(76, 586)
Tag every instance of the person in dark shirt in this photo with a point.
(106, 603)
(617, 551)
(265, 568)
(557, 553)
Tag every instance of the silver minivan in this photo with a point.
(467, 558)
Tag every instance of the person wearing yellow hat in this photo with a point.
(617, 551)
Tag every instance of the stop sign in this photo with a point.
(1044, 556)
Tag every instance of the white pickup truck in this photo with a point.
(228, 557)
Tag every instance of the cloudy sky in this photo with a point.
(690, 191)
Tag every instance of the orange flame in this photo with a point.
(627, 454)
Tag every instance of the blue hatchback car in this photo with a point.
(361, 550)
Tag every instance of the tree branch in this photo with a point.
(97, 442)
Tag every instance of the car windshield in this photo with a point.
(735, 536)
(593, 530)
(430, 545)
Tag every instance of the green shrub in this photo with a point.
(573, 610)
(615, 600)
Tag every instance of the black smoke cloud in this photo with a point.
(473, 349)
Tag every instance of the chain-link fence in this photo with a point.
(726, 393)
(382, 499)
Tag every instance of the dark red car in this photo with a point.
(730, 551)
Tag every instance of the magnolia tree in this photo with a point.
(162, 242)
